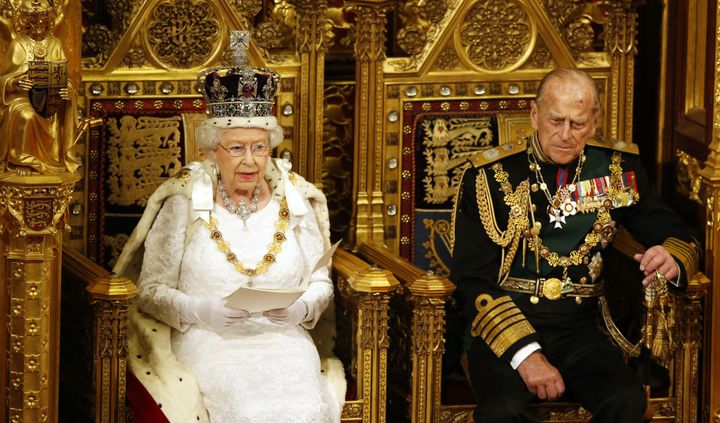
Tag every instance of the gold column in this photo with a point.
(622, 45)
(687, 383)
(31, 227)
(373, 339)
(311, 47)
(711, 187)
(428, 294)
(367, 223)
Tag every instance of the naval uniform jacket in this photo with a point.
(508, 320)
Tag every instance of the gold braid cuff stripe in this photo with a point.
(274, 247)
(686, 252)
(499, 322)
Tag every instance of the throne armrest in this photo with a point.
(426, 294)
(362, 301)
(110, 297)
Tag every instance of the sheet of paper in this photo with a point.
(256, 300)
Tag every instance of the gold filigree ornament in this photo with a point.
(274, 247)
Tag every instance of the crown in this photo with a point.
(239, 90)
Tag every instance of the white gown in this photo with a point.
(256, 371)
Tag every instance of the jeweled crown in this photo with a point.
(239, 90)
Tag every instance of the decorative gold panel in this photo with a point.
(183, 33)
(495, 35)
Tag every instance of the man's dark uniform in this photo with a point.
(512, 303)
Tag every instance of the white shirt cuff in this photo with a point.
(523, 353)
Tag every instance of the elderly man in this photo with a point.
(532, 220)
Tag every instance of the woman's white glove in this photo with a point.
(211, 312)
(293, 315)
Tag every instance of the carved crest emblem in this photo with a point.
(38, 213)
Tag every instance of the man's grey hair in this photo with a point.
(568, 74)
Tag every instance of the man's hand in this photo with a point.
(541, 377)
(657, 258)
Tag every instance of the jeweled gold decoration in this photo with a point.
(142, 153)
(496, 35)
(184, 33)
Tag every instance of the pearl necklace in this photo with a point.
(242, 209)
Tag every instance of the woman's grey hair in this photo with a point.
(207, 137)
(569, 74)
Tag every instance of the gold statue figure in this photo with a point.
(37, 103)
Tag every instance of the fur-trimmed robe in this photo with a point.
(150, 357)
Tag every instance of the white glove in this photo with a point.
(211, 312)
(293, 315)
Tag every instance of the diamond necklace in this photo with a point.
(560, 205)
(242, 209)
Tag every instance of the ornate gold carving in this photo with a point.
(448, 144)
(688, 176)
(248, 8)
(456, 414)
(580, 34)
(439, 232)
(99, 40)
(496, 35)
(420, 24)
(448, 59)
(36, 208)
(276, 31)
(183, 34)
(142, 153)
(352, 410)
(135, 57)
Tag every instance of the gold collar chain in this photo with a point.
(274, 248)
(603, 229)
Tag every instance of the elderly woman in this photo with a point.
(237, 220)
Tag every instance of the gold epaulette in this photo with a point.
(621, 146)
(501, 151)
